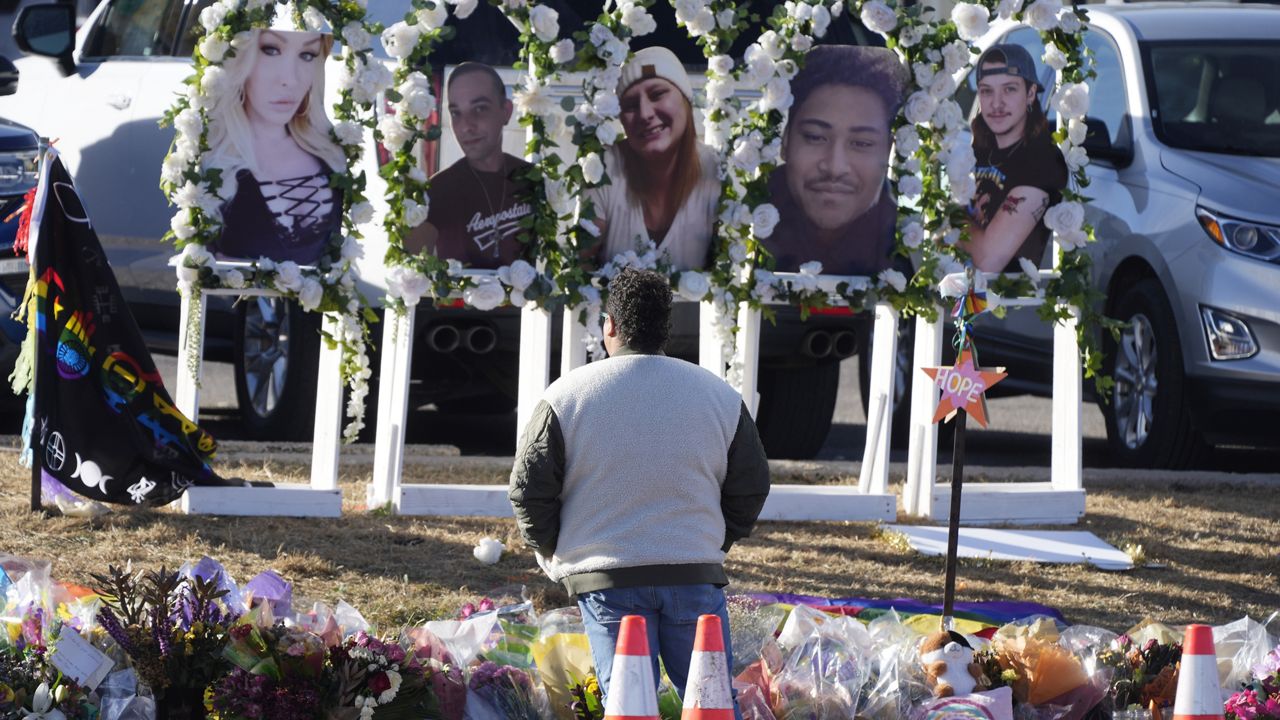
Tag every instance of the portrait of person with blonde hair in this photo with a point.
(271, 138)
(663, 184)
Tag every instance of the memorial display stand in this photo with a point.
(1060, 501)
(320, 498)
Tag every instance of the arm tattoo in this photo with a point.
(1011, 203)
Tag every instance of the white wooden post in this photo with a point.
(190, 352)
(573, 341)
(710, 351)
(393, 407)
(874, 477)
(535, 362)
(922, 452)
(748, 356)
(1067, 463)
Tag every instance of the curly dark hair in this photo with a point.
(639, 303)
(874, 68)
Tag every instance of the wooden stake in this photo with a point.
(953, 526)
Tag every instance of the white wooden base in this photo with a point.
(828, 502)
(279, 501)
(1021, 503)
(444, 499)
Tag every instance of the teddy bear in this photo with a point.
(948, 664)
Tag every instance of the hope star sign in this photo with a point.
(962, 388)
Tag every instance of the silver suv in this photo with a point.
(1185, 177)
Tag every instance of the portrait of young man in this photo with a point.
(831, 192)
(1020, 172)
(477, 203)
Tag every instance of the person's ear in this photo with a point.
(609, 328)
(507, 109)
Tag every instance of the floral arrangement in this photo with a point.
(277, 672)
(506, 691)
(31, 688)
(197, 191)
(382, 677)
(411, 276)
(1259, 699)
(1144, 672)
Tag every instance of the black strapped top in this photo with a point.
(288, 219)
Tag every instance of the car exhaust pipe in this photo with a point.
(443, 338)
(816, 344)
(844, 344)
(480, 339)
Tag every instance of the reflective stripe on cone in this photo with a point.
(1199, 695)
(633, 695)
(708, 695)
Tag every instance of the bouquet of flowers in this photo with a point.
(588, 700)
(1260, 698)
(1144, 673)
(381, 679)
(500, 692)
(278, 673)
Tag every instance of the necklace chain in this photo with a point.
(488, 199)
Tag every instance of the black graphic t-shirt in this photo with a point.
(1033, 163)
(477, 214)
(864, 245)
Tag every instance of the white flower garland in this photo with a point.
(410, 277)
(330, 287)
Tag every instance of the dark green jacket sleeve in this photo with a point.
(537, 479)
(746, 484)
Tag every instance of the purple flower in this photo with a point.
(1269, 666)
(111, 624)
(161, 631)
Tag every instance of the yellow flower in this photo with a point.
(6, 693)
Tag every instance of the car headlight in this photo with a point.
(1247, 238)
(18, 171)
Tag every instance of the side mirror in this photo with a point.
(1097, 142)
(48, 30)
(8, 77)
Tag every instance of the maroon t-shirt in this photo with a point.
(477, 214)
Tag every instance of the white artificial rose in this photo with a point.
(417, 174)
(488, 551)
(801, 12)
(214, 81)
(400, 39)
(737, 253)
(516, 298)
(763, 220)
(599, 35)
(212, 16)
(1053, 57)
(777, 95)
(1065, 217)
(344, 78)
(906, 140)
(913, 234)
(954, 285)
(1007, 8)
(955, 55)
(911, 36)
(615, 51)
(717, 134)
(726, 18)
(721, 64)
(801, 43)
(813, 267)
(313, 20)
(372, 79)
(910, 186)
(920, 107)
(233, 279)
(214, 48)
(310, 294)
(592, 168)
(394, 133)
(765, 284)
(962, 192)
(638, 20)
(787, 69)
(522, 275)
(356, 37)
(187, 274)
(414, 213)
(703, 22)
(746, 156)
(949, 115)
(181, 225)
(942, 87)
(911, 165)
(1072, 100)
(288, 276)
(972, 21)
(189, 123)
(433, 18)
(562, 52)
(186, 149)
(463, 8)
(821, 20)
(771, 43)
(607, 132)
(1043, 14)
(936, 11)
(1075, 156)
(351, 249)
(533, 100)
(546, 22)
(407, 284)
(693, 285)
(171, 171)
(923, 73)
(1069, 21)
(606, 104)
(348, 132)
(416, 95)
(1030, 270)
(361, 213)
(592, 229)
(487, 294)
(1077, 130)
(878, 17)
(893, 279)
(718, 90)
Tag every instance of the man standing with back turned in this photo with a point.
(634, 477)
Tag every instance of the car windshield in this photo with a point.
(1221, 97)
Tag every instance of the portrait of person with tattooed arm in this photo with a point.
(1020, 173)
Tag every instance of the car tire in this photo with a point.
(796, 405)
(1145, 426)
(901, 421)
(277, 349)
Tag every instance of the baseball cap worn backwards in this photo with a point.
(1017, 62)
(656, 62)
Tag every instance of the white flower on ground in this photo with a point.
(920, 107)
(400, 39)
(546, 22)
(310, 294)
(488, 550)
(763, 220)
(395, 134)
(562, 52)
(361, 213)
(693, 285)
(433, 18)
(1072, 100)
(592, 168)
(878, 17)
(1043, 14)
(913, 234)
(893, 279)
(971, 20)
(1053, 57)
(486, 294)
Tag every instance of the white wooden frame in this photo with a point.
(320, 498)
(1061, 500)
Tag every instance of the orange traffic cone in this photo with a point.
(708, 695)
(1199, 696)
(633, 695)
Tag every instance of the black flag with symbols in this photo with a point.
(103, 423)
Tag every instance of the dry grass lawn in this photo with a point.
(1213, 551)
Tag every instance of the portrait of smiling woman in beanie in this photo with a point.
(662, 180)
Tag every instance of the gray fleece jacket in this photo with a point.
(638, 470)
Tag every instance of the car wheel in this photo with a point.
(796, 404)
(903, 361)
(1148, 421)
(277, 348)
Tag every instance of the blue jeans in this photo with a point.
(671, 618)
